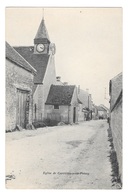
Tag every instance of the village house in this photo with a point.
(85, 105)
(115, 92)
(95, 115)
(41, 57)
(102, 112)
(103, 106)
(19, 86)
(62, 104)
(84, 102)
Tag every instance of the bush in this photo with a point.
(50, 122)
(44, 123)
(38, 124)
(114, 163)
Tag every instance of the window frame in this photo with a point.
(56, 107)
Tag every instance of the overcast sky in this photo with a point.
(88, 42)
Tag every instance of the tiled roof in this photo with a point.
(79, 101)
(38, 61)
(42, 32)
(107, 109)
(15, 57)
(99, 108)
(60, 95)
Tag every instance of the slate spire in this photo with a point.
(42, 34)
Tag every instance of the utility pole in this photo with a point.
(88, 96)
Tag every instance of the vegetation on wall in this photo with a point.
(116, 180)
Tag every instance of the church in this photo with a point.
(41, 57)
(50, 99)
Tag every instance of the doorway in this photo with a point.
(22, 113)
(74, 114)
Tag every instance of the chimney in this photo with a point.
(65, 83)
(90, 96)
(58, 78)
(87, 90)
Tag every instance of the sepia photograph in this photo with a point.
(64, 98)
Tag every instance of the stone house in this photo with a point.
(62, 104)
(115, 92)
(94, 112)
(102, 112)
(81, 115)
(41, 57)
(19, 90)
(107, 109)
(85, 105)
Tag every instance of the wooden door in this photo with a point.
(22, 107)
(74, 114)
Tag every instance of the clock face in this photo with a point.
(40, 47)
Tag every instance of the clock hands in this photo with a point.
(41, 47)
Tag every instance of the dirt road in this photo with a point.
(62, 157)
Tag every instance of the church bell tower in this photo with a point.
(41, 40)
(42, 44)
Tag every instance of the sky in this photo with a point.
(88, 43)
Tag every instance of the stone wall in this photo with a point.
(61, 114)
(74, 103)
(80, 113)
(116, 127)
(116, 116)
(115, 88)
(16, 78)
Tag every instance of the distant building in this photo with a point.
(81, 114)
(95, 115)
(19, 90)
(85, 105)
(102, 112)
(115, 91)
(62, 104)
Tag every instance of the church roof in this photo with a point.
(39, 62)
(42, 32)
(60, 95)
(15, 57)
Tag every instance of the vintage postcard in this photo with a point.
(63, 98)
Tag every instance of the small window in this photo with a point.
(56, 106)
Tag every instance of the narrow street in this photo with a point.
(61, 157)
